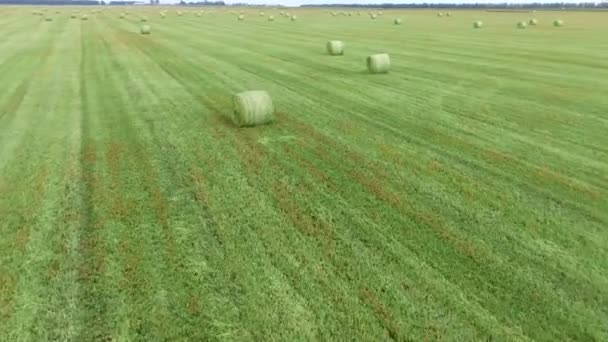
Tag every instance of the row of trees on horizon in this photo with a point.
(489, 6)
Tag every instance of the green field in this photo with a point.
(460, 197)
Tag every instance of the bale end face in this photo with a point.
(477, 24)
(241, 17)
(522, 25)
(558, 23)
(252, 108)
(271, 18)
(397, 21)
(335, 48)
(145, 29)
(379, 63)
(533, 22)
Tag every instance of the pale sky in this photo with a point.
(312, 2)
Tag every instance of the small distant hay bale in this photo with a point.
(398, 21)
(85, 17)
(522, 25)
(335, 47)
(163, 15)
(334, 14)
(373, 16)
(143, 19)
(73, 16)
(380, 13)
(477, 24)
(294, 17)
(271, 18)
(533, 22)
(262, 14)
(122, 16)
(145, 29)
(252, 108)
(48, 19)
(179, 13)
(241, 17)
(448, 14)
(439, 15)
(379, 63)
(558, 23)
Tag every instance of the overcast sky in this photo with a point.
(299, 2)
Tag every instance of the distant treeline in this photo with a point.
(535, 5)
(202, 3)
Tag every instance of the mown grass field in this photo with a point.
(461, 197)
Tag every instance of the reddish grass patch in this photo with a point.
(384, 316)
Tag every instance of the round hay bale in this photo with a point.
(145, 29)
(533, 22)
(163, 15)
(143, 19)
(380, 13)
(271, 18)
(477, 24)
(48, 19)
(241, 17)
(398, 21)
(522, 25)
(179, 13)
(335, 47)
(85, 17)
(73, 16)
(558, 23)
(439, 15)
(448, 14)
(294, 18)
(122, 16)
(334, 14)
(373, 16)
(379, 63)
(262, 14)
(252, 108)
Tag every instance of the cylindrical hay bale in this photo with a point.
(294, 18)
(122, 16)
(335, 47)
(271, 18)
(241, 17)
(49, 19)
(398, 21)
(252, 108)
(373, 16)
(262, 14)
(380, 13)
(558, 23)
(379, 63)
(448, 14)
(145, 29)
(143, 19)
(533, 22)
(477, 24)
(162, 15)
(85, 17)
(73, 16)
(522, 25)
(439, 14)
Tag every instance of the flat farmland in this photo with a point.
(459, 197)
